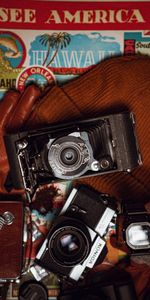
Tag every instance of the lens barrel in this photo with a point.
(69, 244)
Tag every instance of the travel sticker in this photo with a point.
(12, 57)
(136, 43)
(34, 74)
(69, 54)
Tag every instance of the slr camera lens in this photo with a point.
(69, 245)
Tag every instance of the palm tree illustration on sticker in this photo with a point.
(56, 40)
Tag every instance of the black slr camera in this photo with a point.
(76, 241)
(67, 151)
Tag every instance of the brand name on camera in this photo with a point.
(97, 248)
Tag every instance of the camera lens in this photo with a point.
(69, 156)
(69, 245)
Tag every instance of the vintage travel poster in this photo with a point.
(56, 41)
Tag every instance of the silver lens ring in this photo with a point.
(68, 155)
(69, 238)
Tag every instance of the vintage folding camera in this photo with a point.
(76, 241)
(133, 227)
(67, 151)
(11, 235)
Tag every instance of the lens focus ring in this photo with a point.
(68, 156)
(69, 245)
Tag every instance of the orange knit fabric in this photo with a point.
(114, 85)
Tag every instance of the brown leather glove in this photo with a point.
(15, 109)
(114, 85)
